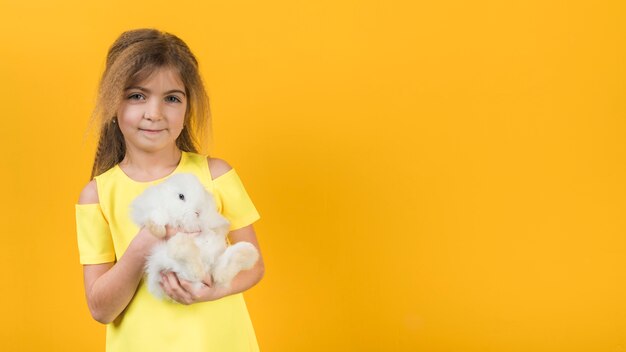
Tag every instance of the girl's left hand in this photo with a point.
(182, 291)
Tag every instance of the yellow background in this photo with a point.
(431, 175)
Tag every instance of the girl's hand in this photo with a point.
(143, 242)
(171, 231)
(182, 291)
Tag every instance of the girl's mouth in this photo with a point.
(150, 131)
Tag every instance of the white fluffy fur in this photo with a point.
(191, 257)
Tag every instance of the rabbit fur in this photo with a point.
(182, 202)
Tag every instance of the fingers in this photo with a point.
(157, 230)
(183, 291)
(208, 280)
(178, 290)
(188, 287)
(170, 231)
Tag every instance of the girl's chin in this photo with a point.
(152, 144)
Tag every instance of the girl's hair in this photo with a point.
(133, 57)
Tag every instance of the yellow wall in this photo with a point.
(432, 175)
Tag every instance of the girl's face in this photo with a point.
(152, 112)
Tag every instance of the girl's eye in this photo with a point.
(136, 96)
(173, 99)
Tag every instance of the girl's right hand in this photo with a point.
(170, 232)
(144, 241)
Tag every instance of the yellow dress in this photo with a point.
(148, 324)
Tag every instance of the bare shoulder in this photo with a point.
(89, 194)
(218, 167)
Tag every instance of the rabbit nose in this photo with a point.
(198, 214)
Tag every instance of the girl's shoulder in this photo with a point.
(218, 167)
(89, 194)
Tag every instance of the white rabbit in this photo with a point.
(182, 202)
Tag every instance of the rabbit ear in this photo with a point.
(150, 207)
(140, 209)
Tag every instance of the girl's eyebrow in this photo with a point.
(148, 90)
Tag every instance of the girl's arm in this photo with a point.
(109, 287)
(246, 278)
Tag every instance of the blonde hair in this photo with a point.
(133, 57)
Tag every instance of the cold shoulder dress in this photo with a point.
(147, 324)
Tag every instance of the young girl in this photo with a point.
(151, 106)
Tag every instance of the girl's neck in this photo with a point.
(148, 166)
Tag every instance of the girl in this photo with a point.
(151, 106)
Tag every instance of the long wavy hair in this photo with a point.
(133, 57)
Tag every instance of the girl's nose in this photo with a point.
(153, 112)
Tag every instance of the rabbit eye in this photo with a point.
(181, 196)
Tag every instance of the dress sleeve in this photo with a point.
(95, 244)
(237, 206)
